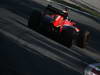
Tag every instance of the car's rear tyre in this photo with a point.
(34, 20)
(67, 37)
(82, 39)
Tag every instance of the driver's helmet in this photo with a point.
(65, 13)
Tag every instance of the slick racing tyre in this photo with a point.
(67, 37)
(34, 20)
(83, 39)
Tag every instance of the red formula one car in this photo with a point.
(55, 23)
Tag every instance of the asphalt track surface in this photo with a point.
(52, 57)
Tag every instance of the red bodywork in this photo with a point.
(60, 22)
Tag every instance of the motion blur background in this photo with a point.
(45, 57)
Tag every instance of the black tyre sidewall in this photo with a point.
(34, 19)
(67, 37)
(83, 38)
